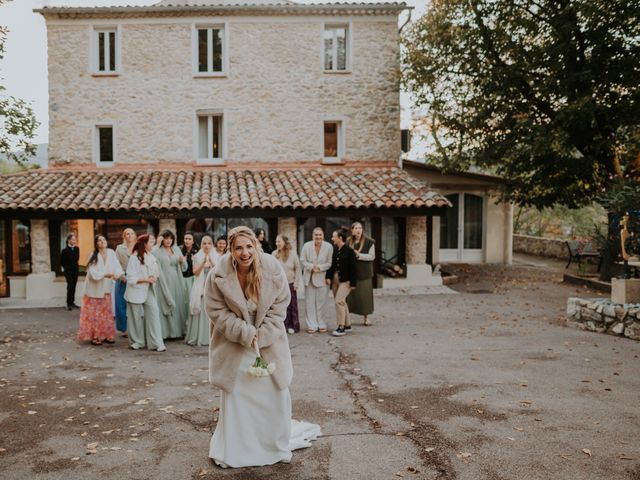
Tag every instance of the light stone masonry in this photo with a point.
(287, 226)
(274, 98)
(40, 251)
(416, 240)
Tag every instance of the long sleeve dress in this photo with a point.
(172, 293)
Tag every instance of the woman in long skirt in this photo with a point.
(142, 305)
(172, 294)
(123, 252)
(96, 313)
(360, 301)
(198, 326)
(246, 299)
(288, 258)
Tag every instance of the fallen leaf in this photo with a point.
(380, 400)
(330, 411)
(3, 450)
(520, 429)
(622, 456)
(75, 459)
(412, 470)
(429, 449)
(400, 434)
(414, 407)
(115, 448)
(586, 451)
(202, 472)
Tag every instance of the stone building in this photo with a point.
(201, 117)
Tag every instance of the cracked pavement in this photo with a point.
(486, 384)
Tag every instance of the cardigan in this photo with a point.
(95, 283)
(291, 267)
(344, 264)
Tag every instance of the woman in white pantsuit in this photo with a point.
(316, 260)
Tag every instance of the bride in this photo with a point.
(246, 299)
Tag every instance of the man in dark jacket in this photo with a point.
(69, 261)
(343, 278)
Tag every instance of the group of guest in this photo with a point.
(158, 286)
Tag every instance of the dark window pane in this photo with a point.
(106, 144)
(449, 224)
(330, 139)
(473, 205)
(341, 40)
(203, 137)
(112, 51)
(101, 52)
(216, 137)
(216, 50)
(202, 50)
(21, 246)
(328, 49)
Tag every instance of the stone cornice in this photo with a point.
(333, 9)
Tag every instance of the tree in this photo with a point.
(17, 120)
(543, 92)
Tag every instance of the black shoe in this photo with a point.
(347, 329)
(75, 306)
(338, 332)
(69, 307)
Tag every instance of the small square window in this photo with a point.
(104, 145)
(333, 141)
(210, 138)
(106, 50)
(336, 45)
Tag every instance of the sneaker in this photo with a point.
(347, 329)
(339, 332)
(162, 349)
(290, 331)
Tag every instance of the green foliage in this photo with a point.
(559, 221)
(621, 196)
(17, 120)
(545, 93)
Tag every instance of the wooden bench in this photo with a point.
(579, 250)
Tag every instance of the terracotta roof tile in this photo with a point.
(211, 189)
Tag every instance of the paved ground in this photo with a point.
(485, 384)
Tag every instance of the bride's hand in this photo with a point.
(254, 342)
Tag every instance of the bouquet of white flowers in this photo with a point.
(260, 368)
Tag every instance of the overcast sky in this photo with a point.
(24, 67)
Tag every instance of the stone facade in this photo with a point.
(287, 226)
(416, 252)
(274, 97)
(168, 224)
(604, 316)
(544, 247)
(40, 251)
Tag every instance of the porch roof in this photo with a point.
(143, 189)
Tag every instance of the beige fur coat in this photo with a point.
(232, 330)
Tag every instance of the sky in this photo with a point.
(23, 71)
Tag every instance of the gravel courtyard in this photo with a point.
(486, 383)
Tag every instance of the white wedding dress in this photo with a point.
(254, 424)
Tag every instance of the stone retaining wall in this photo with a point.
(604, 316)
(544, 247)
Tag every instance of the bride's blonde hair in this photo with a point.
(254, 277)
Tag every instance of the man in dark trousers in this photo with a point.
(69, 261)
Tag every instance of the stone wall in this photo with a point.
(40, 251)
(288, 227)
(604, 316)
(544, 247)
(274, 97)
(416, 240)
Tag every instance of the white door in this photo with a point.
(462, 229)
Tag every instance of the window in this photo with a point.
(336, 45)
(20, 246)
(210, 131)
(209, 51)
(104, 145)
(106, 51)
(333, 141)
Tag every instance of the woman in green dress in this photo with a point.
(198, 326)
(360, 301)
(172, 293)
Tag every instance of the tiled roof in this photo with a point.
(175, 190)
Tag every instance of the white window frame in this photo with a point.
(341, 140)
(194, 49)
(223, 140)
(96, 143)
(349, 49)
(94, 56)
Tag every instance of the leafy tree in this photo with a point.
(543, 92)
(17, 120)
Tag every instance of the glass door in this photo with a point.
(462, 229)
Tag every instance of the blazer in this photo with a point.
(308, 259)
(69, 259)
(137, 292)
(95, 284)
(232, 331)
(344, 263)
